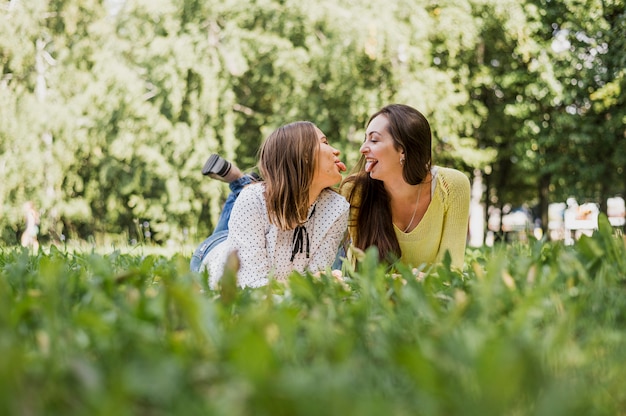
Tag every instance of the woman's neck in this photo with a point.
(314, 194)
(400, 191)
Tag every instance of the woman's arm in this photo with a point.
(456, 218)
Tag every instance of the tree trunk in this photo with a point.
(544, 192)
(41, 91)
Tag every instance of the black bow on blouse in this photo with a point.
(300, 234)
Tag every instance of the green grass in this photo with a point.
(537, 329)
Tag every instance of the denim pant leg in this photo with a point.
(341, 254)
(206, 246)
(221, 229)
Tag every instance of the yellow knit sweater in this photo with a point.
(444, 225)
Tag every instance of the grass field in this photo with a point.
(528, 329)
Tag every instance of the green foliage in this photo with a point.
(107, 115)
(554, 65)
(526, 329)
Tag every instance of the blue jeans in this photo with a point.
(341, 254)
(221, 229)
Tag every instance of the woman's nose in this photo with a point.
(363, 148)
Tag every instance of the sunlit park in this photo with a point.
(110, 108)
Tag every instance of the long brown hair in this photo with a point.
(287, 161)
(371, 222)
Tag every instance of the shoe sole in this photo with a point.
(214, 159)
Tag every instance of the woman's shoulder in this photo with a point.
(252, 192)
(255, 188)
(452, 175)
(453, 183)
(333, 198)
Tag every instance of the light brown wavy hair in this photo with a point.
(287, 161)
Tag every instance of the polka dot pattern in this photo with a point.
(265, 251)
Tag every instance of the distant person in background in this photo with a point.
(409, 209)
(29, 237)
(290, 221)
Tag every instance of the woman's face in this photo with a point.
(381, 156)
(329, 167)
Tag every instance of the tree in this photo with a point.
(108, 113)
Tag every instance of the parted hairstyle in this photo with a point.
(287, 161)
(371, 222)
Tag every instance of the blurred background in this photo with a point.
(108, 109)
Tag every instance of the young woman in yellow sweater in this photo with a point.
(409, 209)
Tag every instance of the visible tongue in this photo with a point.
(342, 166)
(369, 165)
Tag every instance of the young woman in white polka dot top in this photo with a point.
(290, 221)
